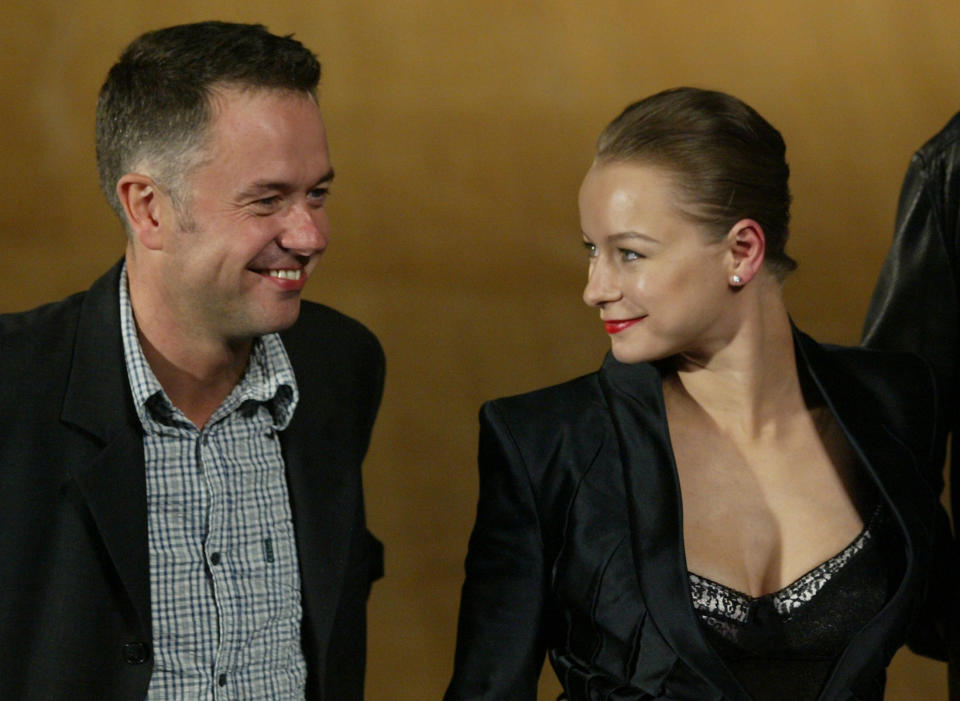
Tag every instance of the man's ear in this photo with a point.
(143, 204)
(747, 248)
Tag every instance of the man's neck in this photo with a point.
(197, 372)
(196, 382)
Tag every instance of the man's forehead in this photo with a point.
(224, 94)
(265, 111)
(258, 136)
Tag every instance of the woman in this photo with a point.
(726, 509)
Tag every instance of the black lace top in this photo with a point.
(783, 645)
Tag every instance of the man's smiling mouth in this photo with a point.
(285, 274)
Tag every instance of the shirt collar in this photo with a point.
(268, 379)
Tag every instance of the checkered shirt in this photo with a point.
(224, 578)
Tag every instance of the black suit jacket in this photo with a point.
(578, 545)
(74, 580)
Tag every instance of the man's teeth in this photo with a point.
(285, 274)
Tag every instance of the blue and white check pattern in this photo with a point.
(224, 578)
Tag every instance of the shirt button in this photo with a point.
(222, 681)
(215, 560)
(135, 653)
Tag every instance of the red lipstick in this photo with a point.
(617, 325)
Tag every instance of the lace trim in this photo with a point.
(720, 606)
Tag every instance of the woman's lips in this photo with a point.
(617, 325)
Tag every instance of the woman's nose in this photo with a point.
(601, 285)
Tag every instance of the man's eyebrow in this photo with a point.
(326, 177)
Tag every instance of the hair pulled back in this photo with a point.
(727, 160)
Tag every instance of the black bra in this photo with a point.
(783, 645)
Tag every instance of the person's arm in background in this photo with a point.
(916, 307)
(915, 304)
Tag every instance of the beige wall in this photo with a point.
(459, 132)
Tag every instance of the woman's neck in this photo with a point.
(749, 383)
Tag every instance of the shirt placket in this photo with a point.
(219, 557)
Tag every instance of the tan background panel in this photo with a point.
(460, 132)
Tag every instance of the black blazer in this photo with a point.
(578, 545)
(74, 580)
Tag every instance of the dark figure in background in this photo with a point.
(916, 307)
(181, 512)
(726, 509)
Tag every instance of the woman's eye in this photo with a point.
(591, 249)
(629, 255)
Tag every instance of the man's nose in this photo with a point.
(307, 230)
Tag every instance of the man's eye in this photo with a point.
(266, 202)
(319, 194)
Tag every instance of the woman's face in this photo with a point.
(660, 281)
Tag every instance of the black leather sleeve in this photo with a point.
(916, 303)
(916, 307)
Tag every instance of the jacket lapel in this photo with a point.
(323, 498)
(98, 401)
(891, 464)
(894, 470)
(634, 394)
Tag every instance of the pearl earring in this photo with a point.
(736, 280)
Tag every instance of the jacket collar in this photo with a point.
(98, 402)
(894, 468)
(98, 397)
(635, 396)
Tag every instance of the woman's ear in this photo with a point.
(747, 247)
(141, 200)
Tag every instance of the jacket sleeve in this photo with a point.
(500, 645)
(347, 648)
(346, 661)
(916, 305)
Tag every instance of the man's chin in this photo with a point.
(287, 319)
(274, 320)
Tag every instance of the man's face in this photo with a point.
(234, 263)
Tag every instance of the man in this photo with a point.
(916, 306)
(181, 512)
